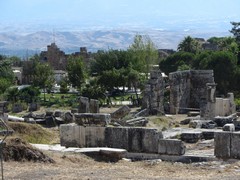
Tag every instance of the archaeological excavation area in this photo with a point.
(210, 131)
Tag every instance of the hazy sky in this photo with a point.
(113, 13)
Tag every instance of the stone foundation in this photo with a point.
(138, 140)
(227, 145)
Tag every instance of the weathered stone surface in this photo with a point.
(68, 117)
(113, 154)
(222, 120)
(117, 137)
(237, 124)
(195, 124)
(208, 134)
(72, 135)
(29, 120)
(171, 147)
(58, 113)
(193, 113)
(92, 119)
(153, 94)
(208, 124)
(3, 116)
(142, 113)
(191, 137)
(139, 121)
(121, 112)
(143, 140)
(229, 127)
(3, 106)
(59, 121)
(74, 111)
(50, 121)
(94, 106)
(33, 107)
(222, 142)
(235, 145)
(83, 105)
(67, 135)
(133, 139)
(49, 112)
(94, 136)
(188, 89)
(16, 108)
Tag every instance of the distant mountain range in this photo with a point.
(26, 44)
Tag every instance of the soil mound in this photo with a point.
(18, 150)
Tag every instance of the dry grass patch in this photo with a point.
(34, 133)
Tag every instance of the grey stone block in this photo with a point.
(133, 139)
(171, 147)
(121, 112)
(94, 106)
(195, 124)
(143, 140)
(69, 135)
(222, 142)
(235, 145)
(229, 127)
(94, 136)
(83, 105)
(116, 137)
(191, 137)
(92, 119)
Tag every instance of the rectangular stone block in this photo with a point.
(67, 135)
(143, 140)
(116, 137)
(222, 142)
(94, 106)
(92, 119)
(235, 145)
(94, 136)
(171, 147)
(121, 112)
(83, 105)
(72, 135)
(150, 140)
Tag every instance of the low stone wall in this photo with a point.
(92, 119)
(227, 145)
(171, 147)
(72, 135)
(139, 140)
(133, 139)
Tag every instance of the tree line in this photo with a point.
(111, 69)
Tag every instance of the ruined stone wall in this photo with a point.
(153, 94)
(188, 89)
(179, 90)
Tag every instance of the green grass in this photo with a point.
(59, 100)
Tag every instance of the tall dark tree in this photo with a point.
(236, 33)
(43, 77)
(224, 65)
(76, 72)
(178, 61)
(189, 45)
(6, 74)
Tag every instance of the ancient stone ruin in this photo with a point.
(133, 139)
(191, 90)
(188, 89)
(153, 94)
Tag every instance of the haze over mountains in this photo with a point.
(29, 38)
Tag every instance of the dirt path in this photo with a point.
(69, 166)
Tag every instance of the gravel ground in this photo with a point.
(79, 166)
